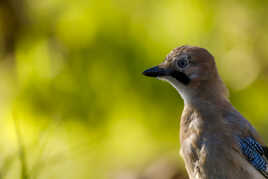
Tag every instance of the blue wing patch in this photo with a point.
(254, 153)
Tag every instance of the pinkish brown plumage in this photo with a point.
(217, 142)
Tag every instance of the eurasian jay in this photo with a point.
(217, 142)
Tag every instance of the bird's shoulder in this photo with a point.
(239, 126)
(247, 141)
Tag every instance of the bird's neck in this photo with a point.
(212, 91)
(208, 104)
(209, 97)
(208, 92)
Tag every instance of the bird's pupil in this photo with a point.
(182, 63)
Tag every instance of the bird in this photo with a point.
(216, 141)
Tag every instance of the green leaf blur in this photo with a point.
(73, 101)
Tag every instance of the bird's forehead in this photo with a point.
(176, 52)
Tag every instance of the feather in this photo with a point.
(255, 154)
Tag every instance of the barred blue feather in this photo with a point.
(254, 153)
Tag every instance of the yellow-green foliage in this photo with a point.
(73, 101)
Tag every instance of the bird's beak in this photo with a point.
(155, 72)
(161, 71)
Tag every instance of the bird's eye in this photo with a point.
(182, 63)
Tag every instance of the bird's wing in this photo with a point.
(255, 153)
(265, 148)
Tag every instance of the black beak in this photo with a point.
(155, 72)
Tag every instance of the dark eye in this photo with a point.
(182, 63)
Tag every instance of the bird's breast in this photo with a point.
(193, 153)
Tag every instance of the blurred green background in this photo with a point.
(73, 102)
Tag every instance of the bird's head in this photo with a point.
(192, 71)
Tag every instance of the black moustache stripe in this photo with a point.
(181, 77)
